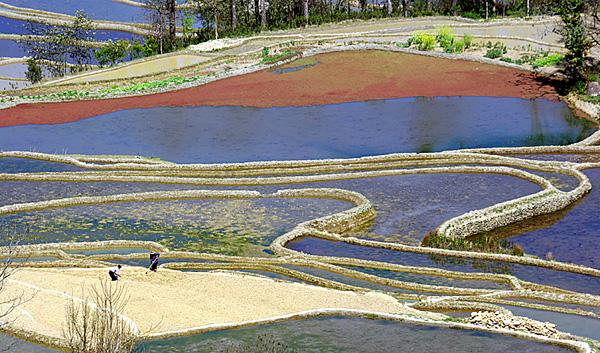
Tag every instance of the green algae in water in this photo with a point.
(232, 227)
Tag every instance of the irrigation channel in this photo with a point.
(336, 197)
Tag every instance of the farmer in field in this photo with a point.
(154, 260)
(114, 273)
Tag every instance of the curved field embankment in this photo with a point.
(389, 75)
(330, 227)
(62, 20)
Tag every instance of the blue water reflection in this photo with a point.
(241, 134)
(346, 334)
(564, 280)
(95, 9)
(573, 237)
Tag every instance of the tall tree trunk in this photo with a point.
(263, 14)
(257, 11)
(171, 10)
(487, 9)
(233, 15)
(528, 8)
(453, 6)
(305, 4)
(389, 8)
(216, 22)
(405, 8)
(428, 6)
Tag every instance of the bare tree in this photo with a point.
(305, 5)
(11, 234)
(263, 14)
(405, 8)
(592, 21)
(95, 324)
(233, 15)
(162, 15)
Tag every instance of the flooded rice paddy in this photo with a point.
(407, 206)
(240, 134)
(348, 334)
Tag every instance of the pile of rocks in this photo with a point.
(216, 44)
(496, 319)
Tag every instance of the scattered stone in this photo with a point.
(216, 44)
(593, 89)
(496, 319)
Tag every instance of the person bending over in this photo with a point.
(114, 273)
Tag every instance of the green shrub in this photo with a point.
(547, 61)
(112, 52)
(428, 42)
(459, 46)
(150, 47)
(265, 52)
(580, 87)
(449, 50)
(493, 53)
(34, 71)
(467, 39)
(444, 36)
(136, 50)
(506, 60)
(423, 41)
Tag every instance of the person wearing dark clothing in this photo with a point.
(154, 261)
(114, 273)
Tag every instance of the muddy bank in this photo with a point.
(340, 77)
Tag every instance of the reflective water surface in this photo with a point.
(239, 134)
(348, 334)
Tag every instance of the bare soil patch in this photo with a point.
(341, 77)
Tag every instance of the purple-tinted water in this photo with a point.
(574, 237)
(564, 280)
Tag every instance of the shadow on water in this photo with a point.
(11, 344)
(570, 235)
(530, 225)
(345, 334)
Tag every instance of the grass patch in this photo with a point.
(479, 243)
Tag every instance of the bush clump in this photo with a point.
(459, 46)
(423, 41)
(547, 61)
(444, 36)
(493, 53)
(480, 243)
(468, 40)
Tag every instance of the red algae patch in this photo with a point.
(341, 77)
